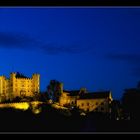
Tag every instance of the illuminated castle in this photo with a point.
(19, 86)
(95, 101)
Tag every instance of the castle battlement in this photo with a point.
(18, 85)
(24, 78)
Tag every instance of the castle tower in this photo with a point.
(61, 88)
(36, 83)
(19, 85)
(3, 87)
(12, 81)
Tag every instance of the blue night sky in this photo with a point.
(96, 48)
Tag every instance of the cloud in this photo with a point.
(14, 40)
(61, 49)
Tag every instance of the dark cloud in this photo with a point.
(11, 40)
(60, 49)
(64, 49)
(14, 40)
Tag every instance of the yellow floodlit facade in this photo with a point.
(98, 103)
(64, 99)
(19, 86)
(70, 97)
(4, 88)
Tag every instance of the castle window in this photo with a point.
(82, 104)
(87, 104)
(96, 103)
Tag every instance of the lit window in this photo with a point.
(102, 103)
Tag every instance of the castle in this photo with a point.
(21, 86)
(18, 85)
(94, 101)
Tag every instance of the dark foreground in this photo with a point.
(50, 120)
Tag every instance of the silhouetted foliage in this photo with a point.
(43, 97)
(54, 90)
(116, 110)
(131, 102)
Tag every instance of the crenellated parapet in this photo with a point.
(19, 85)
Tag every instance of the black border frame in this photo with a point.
(69, 3)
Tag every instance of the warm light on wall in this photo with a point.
(57, 106)
(22, 106)
(13, 87)
(36, 111)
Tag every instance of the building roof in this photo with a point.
(95, 95)
(73, 92)
(19, 75)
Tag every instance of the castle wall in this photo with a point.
(13, 87)
(21, 105)
(97, 105)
